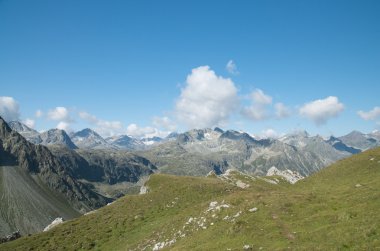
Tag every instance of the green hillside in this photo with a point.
(335, 209)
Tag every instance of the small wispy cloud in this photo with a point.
(231, 67)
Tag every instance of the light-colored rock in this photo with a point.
(241, 184)
(291, 176)
(54, 223)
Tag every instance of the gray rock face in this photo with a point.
(89, 139)
(125, 142)
(57, 137)
(105, 166)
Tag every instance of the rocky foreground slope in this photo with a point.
(334, 209)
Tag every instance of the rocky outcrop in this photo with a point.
(10, 237)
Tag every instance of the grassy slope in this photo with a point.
(325, 211)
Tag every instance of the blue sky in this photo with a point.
(125, 66)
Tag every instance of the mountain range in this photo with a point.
(198, 151)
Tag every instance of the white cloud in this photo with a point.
(145, 132)
(231, 67)
(29, 122)
(39, 114)
(62, 125)
(258, 109)
(282, 111)
(9, 109)
(164, 122)
(321, 110)
(59, 113)
(207, 99)
(370, 115)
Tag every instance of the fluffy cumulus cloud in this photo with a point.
(321, 110)
(207, 99)
(231, 67)
(282, 111)
(370, 115)
(258, 110)
(9, 109)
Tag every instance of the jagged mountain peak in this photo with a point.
(57, 137)
(20, 127)
(88, 138)
(125, 142)
(5, 129)
(236, 135)
(86, 133)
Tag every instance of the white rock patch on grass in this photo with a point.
(55, 223)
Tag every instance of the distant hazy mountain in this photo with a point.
(30, 134)
(151, 141)
(340, 146)
(57, 137)
(360, 140)
(126, 142)
(197, 152)
(89, 139)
